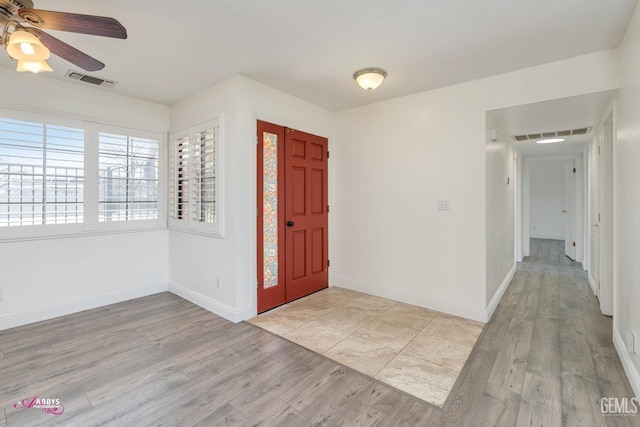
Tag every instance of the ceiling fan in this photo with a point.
(24, 40)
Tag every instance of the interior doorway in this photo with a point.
(292, 214)
(600, 273)
(551, 196)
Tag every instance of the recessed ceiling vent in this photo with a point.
(579, 131)
(90, 79)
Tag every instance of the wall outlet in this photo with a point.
(444, 205)
(219, 282)
(631, 342)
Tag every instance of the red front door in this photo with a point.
(307, 219)
(292, 215)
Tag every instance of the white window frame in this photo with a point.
(90, 225)
(93, 152)
(46, 230)
(193, 224)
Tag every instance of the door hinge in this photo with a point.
(574, 170)
(598, 149)
(574, 244)
(598, 217)
(328, 263)
(327, 154)
(327, 208)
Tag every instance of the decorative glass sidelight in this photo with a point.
(270, 208)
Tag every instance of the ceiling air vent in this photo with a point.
(531, 136)
(581, 131)
(90, 79)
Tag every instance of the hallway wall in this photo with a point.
(394, 160)
(626, 203)
(501, 194)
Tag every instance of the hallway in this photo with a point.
(547, 356)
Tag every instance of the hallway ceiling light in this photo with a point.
(369, 78)
(549, 141)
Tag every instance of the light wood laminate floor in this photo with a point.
(546, 358)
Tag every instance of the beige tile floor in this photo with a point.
(414, 349)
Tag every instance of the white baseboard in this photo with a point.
(432, 304)
(592, 283)
(546, 237)
(493, 304)
(222, 310)
(627, 363)
(14, 320)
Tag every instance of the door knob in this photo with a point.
(290, 224)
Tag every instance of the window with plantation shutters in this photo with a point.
(180, 189)
(195, 177)
(41, 173)
(62, 176)
(128, 177)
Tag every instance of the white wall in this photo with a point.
(50, 277)
(390, 164)
(547, 199)
(38, 93)
(394, 160)
(626, 203)
(196, 261)
(500, 216)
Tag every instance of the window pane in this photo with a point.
(41, 173)
(270, 208)
(128, 178)
(180, 179)
(206, 172)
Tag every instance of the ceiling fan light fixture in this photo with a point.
(25, 46)
(33, 66)
(369, 78)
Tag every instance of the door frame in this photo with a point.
(280, 123)
(571, 231)
(523, 204)
(603, 286)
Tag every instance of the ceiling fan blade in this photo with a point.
(75, 23)
(67, 52)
